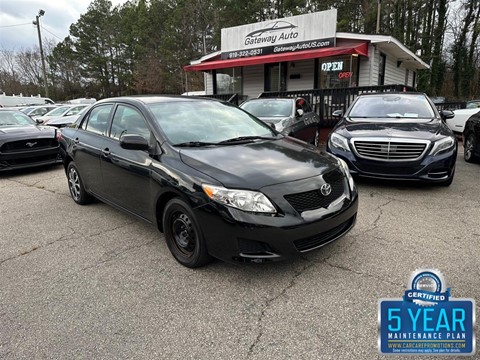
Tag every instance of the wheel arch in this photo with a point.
(162, 201)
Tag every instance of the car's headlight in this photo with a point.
(245, 200)
(442, 145)
(339, 142)
(344, 165)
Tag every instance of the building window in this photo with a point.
(381, 69)
(338, 72)
(276, 77)
(229, 81)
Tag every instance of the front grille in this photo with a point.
(27, 145)
(313, 199)
(386, 150)
(322, 238)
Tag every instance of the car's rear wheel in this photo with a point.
(469, 148)
(183, 235)
(75, 185)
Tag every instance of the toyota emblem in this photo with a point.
(326, 189)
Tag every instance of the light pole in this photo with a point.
(379, 6)
(37, 24)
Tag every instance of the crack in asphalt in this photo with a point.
(34, 185)
(363, 274)
(270, 301)
(113, 255)
(35, 248)
(69, 236)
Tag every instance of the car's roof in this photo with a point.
(152, 99)
(392, 93)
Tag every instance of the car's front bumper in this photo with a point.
(233, 235)
(438, 168)
(27, 159)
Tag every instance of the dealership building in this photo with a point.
(304, 52)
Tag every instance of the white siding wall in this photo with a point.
(306, 70)
(253, 80)
(208, 84)
(364, 70)
(393, 74)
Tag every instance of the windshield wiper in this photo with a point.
(246, 138)
(195, 144)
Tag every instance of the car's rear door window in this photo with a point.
(97, 120)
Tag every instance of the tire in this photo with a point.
(469, 149)
(75, 185)
(183, 235)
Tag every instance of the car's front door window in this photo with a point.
(128, 120)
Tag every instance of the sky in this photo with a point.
(16, 16)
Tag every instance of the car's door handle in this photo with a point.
(106, 152)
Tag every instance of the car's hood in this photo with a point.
(427, 130)
(255, 165)
(13, 133)
(466, 111)
(63, 120)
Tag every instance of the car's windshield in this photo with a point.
(8, 118)
(206, 121)
(473, 104)
(395, 106)
(269, 107)
(58, 111)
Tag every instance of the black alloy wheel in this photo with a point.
(469, 148)
(75, 185)
(183, 235)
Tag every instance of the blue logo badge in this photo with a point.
(426, 320)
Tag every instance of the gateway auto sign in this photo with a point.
(302, 32)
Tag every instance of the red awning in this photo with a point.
(359, 49)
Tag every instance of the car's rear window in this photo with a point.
(269, 107)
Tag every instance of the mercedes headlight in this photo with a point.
(442, 145)
(346, 170)
(339, 142)
(245, 200)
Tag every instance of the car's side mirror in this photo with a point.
(299, 112)
(447, 114)
(272, 125)
(337, 113)
(38, 121)
(134, 142)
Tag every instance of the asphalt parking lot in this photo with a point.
(89, 282)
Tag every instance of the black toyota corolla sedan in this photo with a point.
(24, 143)
(396, 136)
(215, 179)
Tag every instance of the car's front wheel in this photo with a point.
(469, 148)
(183, 235)
(75, 185)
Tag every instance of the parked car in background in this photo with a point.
(65, 110)
(64, 121)
(215, 179)
(37, 111)
(291, 116)
(24, 143)
(471, 139)
(457, 123)
(396, 136)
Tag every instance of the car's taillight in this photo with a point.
(59, 135)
